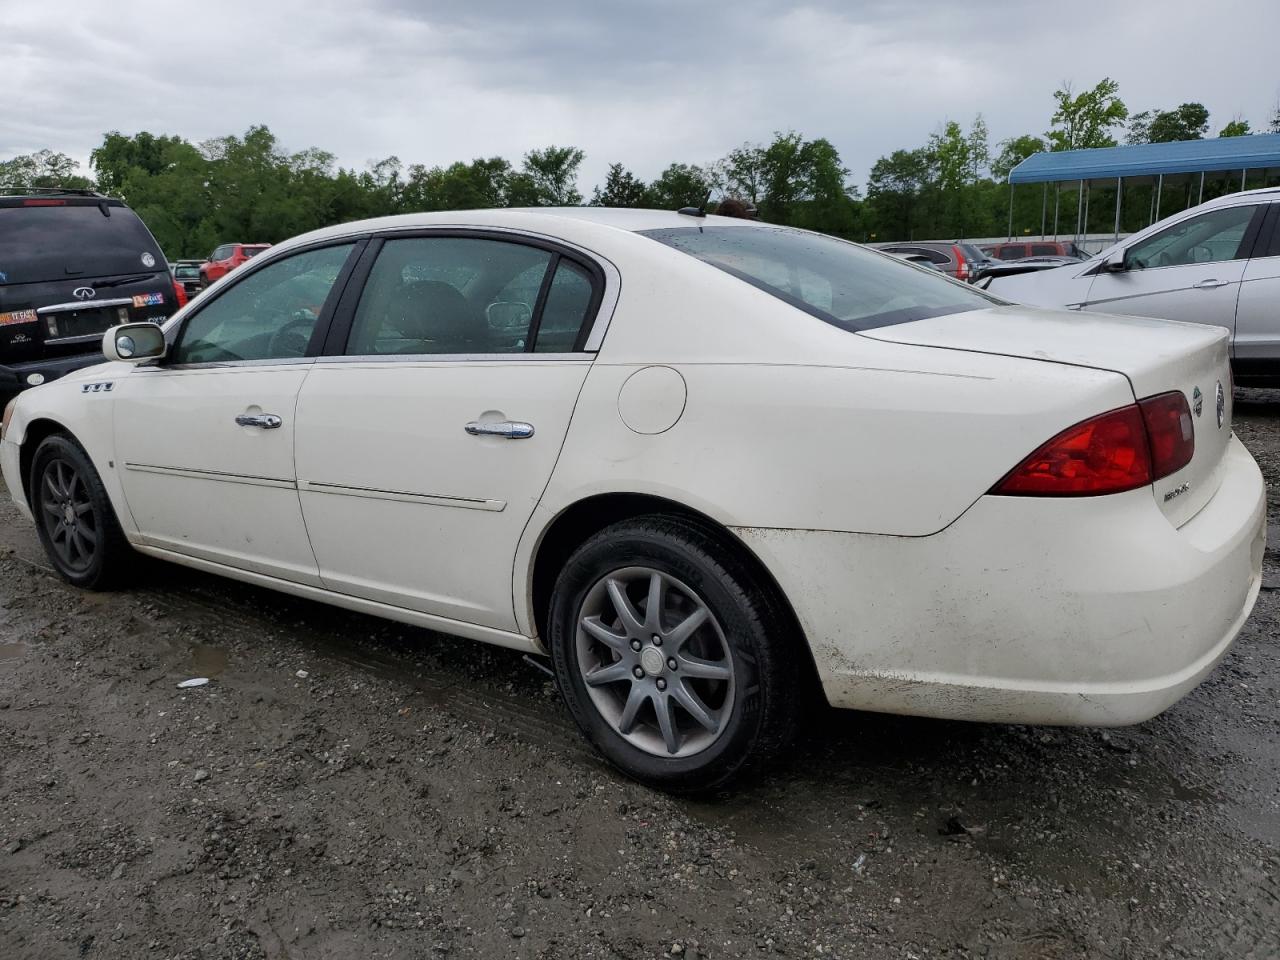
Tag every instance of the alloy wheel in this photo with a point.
(66, 511)
(655, 662)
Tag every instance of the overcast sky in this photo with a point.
(644, 83)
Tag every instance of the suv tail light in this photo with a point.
(1116, 451)
(962, 265)
(179, 294)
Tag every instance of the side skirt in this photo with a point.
(470, 631)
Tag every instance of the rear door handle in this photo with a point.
(1210, 284)
(509, 429)
(267, 421)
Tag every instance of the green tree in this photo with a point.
(1236, 128)
(1190, 121)
(1013, 151)
(744, 172)
(680, 185)
(548, 178)
(44, 168)
(1086, 119)
(480, 184)
(894, 192)
(622, 188)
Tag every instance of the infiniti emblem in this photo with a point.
(1222, 404)
(84, 293)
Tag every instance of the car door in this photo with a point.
(1257, 340)
(426, 441)
(1188, 271)
(204, 440)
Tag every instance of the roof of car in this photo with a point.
(534, 219)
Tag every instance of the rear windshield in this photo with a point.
(841, 283)
(184, 271)
(43, 243)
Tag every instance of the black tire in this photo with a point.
(760, 717)
(74, 518)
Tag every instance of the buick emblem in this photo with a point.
(1222, 404)
(1197, 401)
(84, 293)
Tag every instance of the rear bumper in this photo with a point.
(1074, 611)
(14, 376)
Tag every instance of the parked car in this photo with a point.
(1217, 263)
(1020, 250)
(187, 274)
(710, 466)
(963, 261)
(1008, 268)
(226, 258)
(72, 264)
(919, 259)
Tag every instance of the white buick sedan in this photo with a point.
(709, 466)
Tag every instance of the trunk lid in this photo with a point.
(1157, 356)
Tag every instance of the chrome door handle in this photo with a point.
(267, 421)
(510, 429)
(1210, 284)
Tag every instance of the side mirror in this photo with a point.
(134, 342)
(1115, 262)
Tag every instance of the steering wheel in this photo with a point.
(292, 339)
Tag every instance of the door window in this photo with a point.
(1209, 238)
(269, 314)
(468, 295)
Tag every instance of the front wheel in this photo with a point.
(74, 518)
(672, 655)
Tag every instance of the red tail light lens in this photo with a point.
(179, 295)
(1105, 454)
(962, 266)
(1169, 427)
(44, 203)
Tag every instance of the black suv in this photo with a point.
(72, 264)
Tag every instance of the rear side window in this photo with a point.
(568, 301)
(71, 240)
(841, 283)
(1044, 250)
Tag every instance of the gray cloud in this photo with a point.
(642, 83)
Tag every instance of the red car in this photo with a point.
(226, 258)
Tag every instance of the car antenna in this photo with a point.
(692, 211)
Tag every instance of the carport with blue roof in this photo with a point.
(1224, 160)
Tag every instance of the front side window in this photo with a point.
(1209, 238)
(841, 283)
(468, 295)
(269, 314)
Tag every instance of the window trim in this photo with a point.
(1267, 244)
(590, 334)
(243, 273)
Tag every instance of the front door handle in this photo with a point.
(1210, 284)
(509, 429)
(267, 421)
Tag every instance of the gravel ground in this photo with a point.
(349, 788)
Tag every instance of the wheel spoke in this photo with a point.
(692, 704)
(703, 669)
(635, 700)
(667, 724)
(608, 674)
(87, 534)
(653, 606)
(82, 544)
(53, 508)
(622, 604)
(51, 482)
(686, 627)
(83, 508)
(600, 632)
(63, 483)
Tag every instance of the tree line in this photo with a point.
(251, 188)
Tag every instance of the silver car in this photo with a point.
(1217, 263)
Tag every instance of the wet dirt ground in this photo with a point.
(350, 788)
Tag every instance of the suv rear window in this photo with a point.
(839, 282)
(72, 240)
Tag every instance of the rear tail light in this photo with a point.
(962, 265)
(179, 294)
(1120, 450)
(1173, 440)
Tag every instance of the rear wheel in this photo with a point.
(74, 518)
(672, 657)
